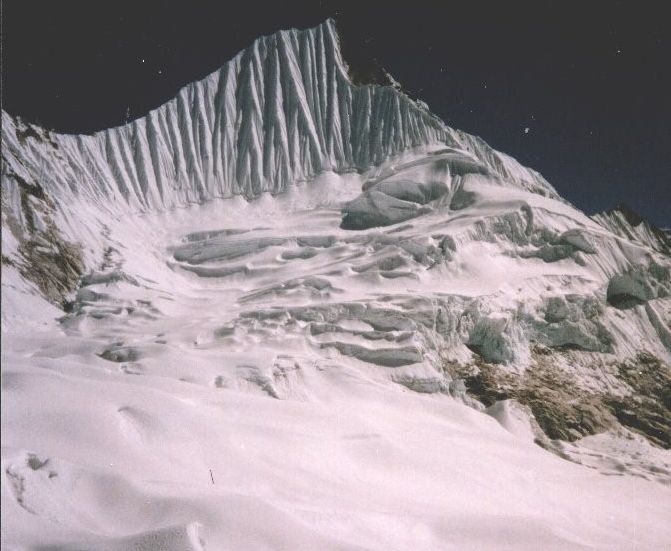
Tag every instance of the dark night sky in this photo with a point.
(589, 81)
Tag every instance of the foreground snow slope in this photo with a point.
(367, 360)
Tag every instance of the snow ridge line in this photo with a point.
(281, 111)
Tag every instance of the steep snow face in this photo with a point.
(363, 361)
(624, 222)
(281, 111)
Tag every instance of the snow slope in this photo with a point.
(283, 311)
(281, 111)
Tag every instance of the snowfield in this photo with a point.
(287, 312)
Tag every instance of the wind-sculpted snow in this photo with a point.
(309, 369)
(215, 356)
(624, 222)
(281, 111)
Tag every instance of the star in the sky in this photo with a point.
(527, 130)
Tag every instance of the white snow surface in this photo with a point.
(238, 371)
(281, 111)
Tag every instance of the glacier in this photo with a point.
(288, 310)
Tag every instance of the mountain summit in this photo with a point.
(281, 111)
(284, 310)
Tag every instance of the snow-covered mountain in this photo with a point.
(285, 310)
(281, 111)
